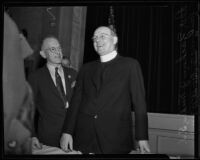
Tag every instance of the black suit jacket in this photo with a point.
(100, 110)
(49, 104)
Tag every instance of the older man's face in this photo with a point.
(103, 41)
(53, 51)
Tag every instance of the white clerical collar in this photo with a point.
(108, 57)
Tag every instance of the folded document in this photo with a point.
(52, 150)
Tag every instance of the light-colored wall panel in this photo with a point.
(171, 122)
(153, 143)
(175, 146)
(171, 134)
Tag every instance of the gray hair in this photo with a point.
(46, 38)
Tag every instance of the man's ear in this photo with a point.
(115, 40)
(43, 54)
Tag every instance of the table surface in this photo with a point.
(49, 150)
(55, 150)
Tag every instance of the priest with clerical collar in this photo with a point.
(99, 119)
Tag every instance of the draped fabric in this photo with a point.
(146, 33)
(71, 33)
(148, 42)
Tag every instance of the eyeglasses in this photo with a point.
(54, 49)
(100, 37)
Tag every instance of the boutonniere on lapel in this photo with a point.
(73, 84)
(69, 76)
(66, 105)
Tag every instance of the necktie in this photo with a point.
(59, 85)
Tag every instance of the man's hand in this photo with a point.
(144, 146)
(36, 144)
(66, 142)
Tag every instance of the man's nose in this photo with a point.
(58, 52)
(98, 39)
(99, 42)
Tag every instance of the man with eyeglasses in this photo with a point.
(52, 88)
(99, 119)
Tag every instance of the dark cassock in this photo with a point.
(100, 115)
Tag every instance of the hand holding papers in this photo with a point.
(36, 144)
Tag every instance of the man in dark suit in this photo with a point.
(52, 88)
(99, 118)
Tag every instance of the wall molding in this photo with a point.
(171, 134)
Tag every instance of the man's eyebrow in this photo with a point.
(101, 34)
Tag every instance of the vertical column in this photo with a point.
(197, 151)
(78, 36)
(65, 29)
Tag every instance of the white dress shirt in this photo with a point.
(60, 71)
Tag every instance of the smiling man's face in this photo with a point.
(52, 49)
(104, 42)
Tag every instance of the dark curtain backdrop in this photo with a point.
(146, 33)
